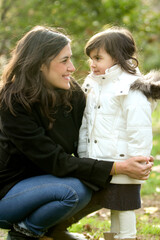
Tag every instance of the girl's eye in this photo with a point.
(97, 58)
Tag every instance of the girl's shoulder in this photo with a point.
(124, 82)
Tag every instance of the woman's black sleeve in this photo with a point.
(30, 140)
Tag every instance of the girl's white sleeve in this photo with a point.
(137, 112)
(83, 136)
(83, 133)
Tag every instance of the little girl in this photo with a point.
(117, 122)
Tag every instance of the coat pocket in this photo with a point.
(106, 147)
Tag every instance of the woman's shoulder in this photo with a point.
(75, 85)
(17, 108)
(76, 88)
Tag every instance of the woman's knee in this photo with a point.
(83, 192)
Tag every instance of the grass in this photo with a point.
(156, 131)
(92, 225)
(3, 234)
(152, 185)
(148, 228)
(148, 218)
(156, 144)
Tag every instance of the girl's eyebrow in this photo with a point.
(96, 55)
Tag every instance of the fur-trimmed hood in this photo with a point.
(149, 84)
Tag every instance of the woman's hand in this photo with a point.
(135, 167)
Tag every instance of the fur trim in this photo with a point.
(149, 84)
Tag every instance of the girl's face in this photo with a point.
(100, 61)
(60, 68)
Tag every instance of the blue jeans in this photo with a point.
(43, 201)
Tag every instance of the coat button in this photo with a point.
(121, 155)
(95, 141)
(99, 106)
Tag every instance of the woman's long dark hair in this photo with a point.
(119, 44)
(22, 79)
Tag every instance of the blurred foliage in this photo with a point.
(82, 19)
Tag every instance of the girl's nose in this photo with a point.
(92, 64)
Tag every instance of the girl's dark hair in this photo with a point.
(22, 79)
(119, 44)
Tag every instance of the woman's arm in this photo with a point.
(29, 139)
(135, 167)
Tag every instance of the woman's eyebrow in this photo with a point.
(66, 57)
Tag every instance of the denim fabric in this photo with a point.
(43, 201)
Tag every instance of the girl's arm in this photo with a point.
(83, 133)
(137, 113)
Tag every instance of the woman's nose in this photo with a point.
(71, 67)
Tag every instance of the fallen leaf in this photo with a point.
(151, 210)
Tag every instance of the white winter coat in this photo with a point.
(117, 121)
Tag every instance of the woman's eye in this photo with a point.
(65, 60)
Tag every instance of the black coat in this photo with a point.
(28, 148)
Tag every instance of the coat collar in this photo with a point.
(124, 81)
(109, 75)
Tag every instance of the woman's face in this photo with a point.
(60, 68)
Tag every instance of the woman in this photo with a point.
(42, 180)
